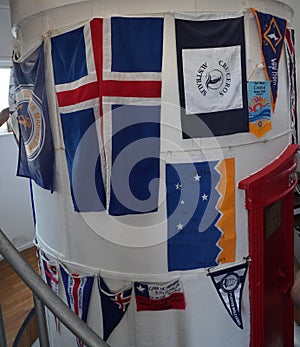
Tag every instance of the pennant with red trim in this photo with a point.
(49, 270)
(78, 292)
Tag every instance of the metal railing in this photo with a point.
(43, 295)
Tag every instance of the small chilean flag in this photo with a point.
(78, 292)
(159, 297)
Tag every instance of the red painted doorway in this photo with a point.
(269, 201)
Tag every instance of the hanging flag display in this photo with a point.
(291, 67)
(35, 146)
(271, 32)
(78, 292)
(259, 102)
(110, 70)
(212, 75)
(114, 306)
(201, 214)
(49, 270)
(159, 297)
(229, 284)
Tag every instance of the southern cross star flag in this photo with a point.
(201, 214)
(211, 75)
(106, 70)
(35, 145)
(159, 296)
(78, 292)
(271, 31)
(113, 305)
(291, 66)
(229, 284)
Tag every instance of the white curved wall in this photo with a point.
(15, 205)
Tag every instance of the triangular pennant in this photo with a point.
(114, 306)
(49, 270)
(78, 292)
(291, 67)
(259, 105)
(229, 283)
(271, 32)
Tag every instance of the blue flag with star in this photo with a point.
(272, 33)
(200, 209)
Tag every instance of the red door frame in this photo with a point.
(274, 182)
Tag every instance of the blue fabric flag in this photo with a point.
(114, 306)
(192, 215)
(211, 75)
(135, 159)
(36, 155)
(272, 33)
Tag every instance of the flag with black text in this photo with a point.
(211, 75)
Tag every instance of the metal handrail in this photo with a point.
(42, 291)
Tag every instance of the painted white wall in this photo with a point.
(5, 37)
(15, 205)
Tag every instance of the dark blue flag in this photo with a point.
(35, 146)
(135, 159)
(229, 283)
(211, 75)
(272, 32)
(200, 209)
(114, 306)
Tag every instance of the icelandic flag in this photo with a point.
(49, 270)
(36, 155)
(271, 32)
(78, 292)
(291, 66)
(229, 284)
(114, 306)
(159, 297)
(106, 70)
(201, 214)
(211, 75)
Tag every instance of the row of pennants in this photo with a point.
(229, 283)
